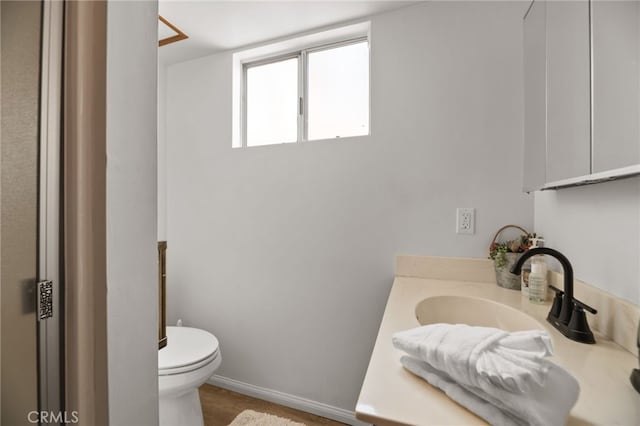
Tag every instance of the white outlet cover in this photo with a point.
(465, 220)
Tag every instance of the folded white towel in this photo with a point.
(545, 404)
(471, 355)
(458, 393)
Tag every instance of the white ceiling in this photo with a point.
(214, 25)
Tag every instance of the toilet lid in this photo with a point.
(186, 346)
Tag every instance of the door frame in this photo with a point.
(50, 336)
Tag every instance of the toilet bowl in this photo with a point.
(189, 359)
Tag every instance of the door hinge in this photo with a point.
(45, 300)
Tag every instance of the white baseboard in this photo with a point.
(291, 401)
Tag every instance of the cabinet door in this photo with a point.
(535, 121)
(616, 84)
(568, 90)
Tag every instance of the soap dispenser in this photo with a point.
(538, 282)
(538, 276)
(527, 267)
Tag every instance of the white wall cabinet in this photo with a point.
(582, 92)
(568, 80)
(535, 99)
(616, 84)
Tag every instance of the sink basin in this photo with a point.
(473, 311)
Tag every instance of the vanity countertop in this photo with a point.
(390, 395)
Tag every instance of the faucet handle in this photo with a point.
(578, 328)
(554, 313)
(557, 290)
(585, 306)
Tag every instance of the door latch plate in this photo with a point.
(45, 300)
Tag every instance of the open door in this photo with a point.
(30, 282)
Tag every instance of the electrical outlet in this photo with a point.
(466, 218)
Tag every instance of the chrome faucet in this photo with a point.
(567, 313)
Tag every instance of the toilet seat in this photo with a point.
(187, 349)
(188, 368)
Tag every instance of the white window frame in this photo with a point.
(303, 84)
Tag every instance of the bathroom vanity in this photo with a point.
(431, 289)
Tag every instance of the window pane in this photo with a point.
(339, 92)
(272, 103)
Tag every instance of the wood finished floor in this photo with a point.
(221, 406)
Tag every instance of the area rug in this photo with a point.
(254, 418)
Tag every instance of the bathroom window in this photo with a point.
(310, 94)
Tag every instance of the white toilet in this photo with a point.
(189, 359)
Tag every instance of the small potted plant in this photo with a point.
(506, 254)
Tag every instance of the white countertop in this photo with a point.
(392, 395)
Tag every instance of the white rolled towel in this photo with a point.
(472, 355)
(548, 404)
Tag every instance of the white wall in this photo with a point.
(132, 299)
(598, 228)
(286, 252)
